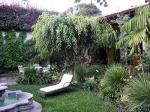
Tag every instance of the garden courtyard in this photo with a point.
(74, 61)
(68, 101)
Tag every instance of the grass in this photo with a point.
(69, 101)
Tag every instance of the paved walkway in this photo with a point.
(8, 80)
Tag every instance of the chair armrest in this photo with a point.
(66, 83)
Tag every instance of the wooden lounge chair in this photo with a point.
(64, 84)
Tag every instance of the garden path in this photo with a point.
(8, 80)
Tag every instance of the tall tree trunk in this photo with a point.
(141, 61)
(109, 55)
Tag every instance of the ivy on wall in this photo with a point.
(19, 18)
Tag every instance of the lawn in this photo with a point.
(70, 101)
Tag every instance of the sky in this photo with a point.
(62, 5)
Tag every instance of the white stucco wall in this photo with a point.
(29, 34)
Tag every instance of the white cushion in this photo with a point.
(65, 82)
(51, 88)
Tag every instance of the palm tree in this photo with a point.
(136, 32)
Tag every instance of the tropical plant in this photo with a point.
(81, 72)
(30, 74)
(91, 85)
(95, 71)
(136, 31)
(115, 78)
(137, 95)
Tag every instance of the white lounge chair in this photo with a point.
(64, 84)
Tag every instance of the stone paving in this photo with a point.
(37, 107)
(8, 80)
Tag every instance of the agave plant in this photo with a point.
(116, 77)
(138, 95)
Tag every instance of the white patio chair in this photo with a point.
(21, 69)
(64, 84)
(46, 69)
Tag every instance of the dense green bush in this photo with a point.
(30, 74)
(95, 70)
(91, 85)
(33, 76)
(84, 72)
(137, 95)
(16, 50)
(80, 71)
(115, 78)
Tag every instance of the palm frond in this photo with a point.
(143, 10)
(123, 42)
(137, 38)
(136, 23)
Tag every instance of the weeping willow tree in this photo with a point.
(70, 36)
(136, 31)
(62, 35)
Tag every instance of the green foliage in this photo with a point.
(15, 50)
(88, 10)
(135, 31)
(137, 95)
(104, 33)
(30, 74)
(146, 59)
(95, 70)
(34, 76)
(115, 78)
(83, 73)
(68, 36)
(80, 71)
(68, 101)
(91, 85)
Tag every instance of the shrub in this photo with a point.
(137, 95)
(115, 78)
(80, 71)
(95, 70)
(30, 74)
(16, 50)
(43, 78)
(90, 85)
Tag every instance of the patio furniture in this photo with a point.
(64, 84)
(46, 69)
(37, 66)
(21, 68)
